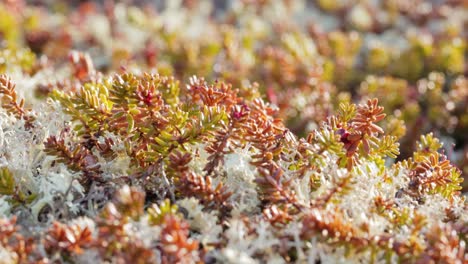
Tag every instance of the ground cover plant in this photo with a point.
(233, 132)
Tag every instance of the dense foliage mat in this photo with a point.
(201, 132)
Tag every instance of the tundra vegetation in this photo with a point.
(233, 131)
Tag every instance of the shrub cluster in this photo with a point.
(308, 139)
